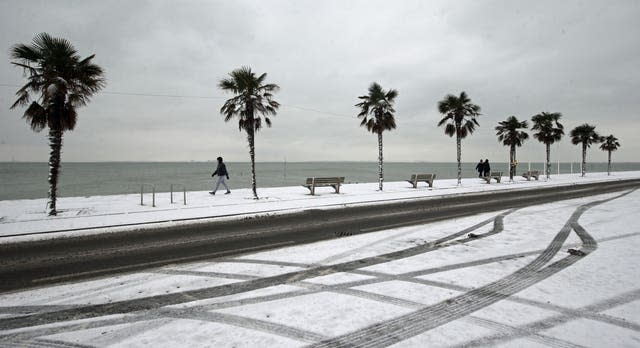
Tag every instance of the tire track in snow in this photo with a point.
(548, 323)
(405, 326)
(245, 322)
(507, 330)
(153, 302)
(266, 298)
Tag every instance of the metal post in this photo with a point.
(529, 166)
(571, 167)
(184, 192)
(171, 194)
(558, 167)
(153, 192)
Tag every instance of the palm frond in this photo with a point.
(36, 116)
(450, 129)
(444, 120)
(610, 143)
(460, 112)
(58, 78)
(252, 100)
(548, 126)
(378, 104)
(585, 134)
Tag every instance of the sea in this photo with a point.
(28, 180)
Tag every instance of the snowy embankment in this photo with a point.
(27, 219)
(430, 285)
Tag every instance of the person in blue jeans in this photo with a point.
(221, 172)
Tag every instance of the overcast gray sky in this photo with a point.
(580, 58)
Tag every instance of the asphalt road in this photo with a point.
(31, 264)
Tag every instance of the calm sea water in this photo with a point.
(19, 180)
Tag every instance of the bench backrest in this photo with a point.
(495, 174)
(415, 177)
(332, 180)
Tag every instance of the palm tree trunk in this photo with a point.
(584, 158)
(512, 160)
(252, 154)
(459, 149)
(548, 160)
(55, 143)
(609, 164)
(380, 174)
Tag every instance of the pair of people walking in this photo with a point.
(222, 173)
(483, 168)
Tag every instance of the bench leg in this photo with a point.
(313, 189)
(430, 182)
(336, 187)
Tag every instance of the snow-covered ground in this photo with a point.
(514, 285)
(27, 219)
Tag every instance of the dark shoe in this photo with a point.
(228, 192)
(213, 193)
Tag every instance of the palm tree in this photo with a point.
(586, 135)
(376, 111)
(549, 131)
(58, 81)
(509, 135)
(609, 144)
(252, 100)
(460, 118)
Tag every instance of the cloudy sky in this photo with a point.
(163, 60)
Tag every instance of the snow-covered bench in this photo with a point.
(493, 175)
(334, 182)
(415, 178)
(531, 174)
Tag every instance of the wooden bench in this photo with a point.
(531, 174)
(334, 182)
(493, 175)
(415, 178)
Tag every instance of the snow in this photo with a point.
(246, 269)
(118, 288)
(444, 336)
(629, 312)
(419, 293)
(589, 333)
(593, 302)
(28, 220)
(312, 312)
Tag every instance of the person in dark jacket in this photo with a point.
(480, 168)
(221, 172)
(486, 168)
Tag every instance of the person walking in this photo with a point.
(480, 168)
(221, 172)
(486, 168)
